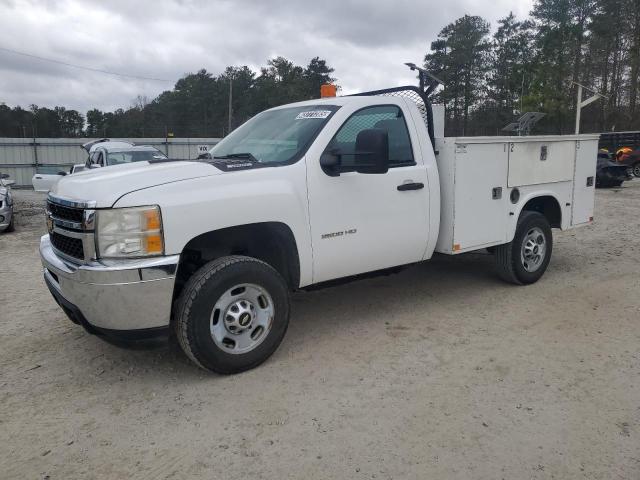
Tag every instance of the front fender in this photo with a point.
(193, 207)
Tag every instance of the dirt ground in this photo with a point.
(439, 372)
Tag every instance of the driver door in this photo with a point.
(365, 222)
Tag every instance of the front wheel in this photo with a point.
(232, 314)
(636, 169)
(525, 259)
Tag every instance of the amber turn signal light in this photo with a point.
(327, 90)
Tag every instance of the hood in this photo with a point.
(108, 184)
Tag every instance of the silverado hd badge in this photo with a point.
(339, 234)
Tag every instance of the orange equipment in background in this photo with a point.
(622, 153)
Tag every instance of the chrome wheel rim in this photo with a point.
(241, 318)
(534, 250)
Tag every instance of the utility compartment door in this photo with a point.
(481, 196)
(585, 180)
(532, 163)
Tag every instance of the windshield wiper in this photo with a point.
(246, 155)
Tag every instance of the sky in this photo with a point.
(366, 41)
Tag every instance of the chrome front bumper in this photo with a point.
(123, 295)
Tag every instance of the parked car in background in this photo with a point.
(624, 147)
(102, 153)
(610, 173)
(629, 158)
(48, 175)
(106, 153)
(6, 204)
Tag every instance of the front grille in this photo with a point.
(67, 245)
(70, 214)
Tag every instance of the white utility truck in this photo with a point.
(300, 195)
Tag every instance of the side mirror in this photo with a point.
(4, 176)
(95, 165)
(371, 155)
(204, 156)
(372, 151)
(62, 173)
(330, 162)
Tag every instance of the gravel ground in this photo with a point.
(441, 371)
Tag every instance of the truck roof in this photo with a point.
(337, 101)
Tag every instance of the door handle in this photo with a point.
(410, 186)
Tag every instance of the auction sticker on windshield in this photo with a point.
(313, 114)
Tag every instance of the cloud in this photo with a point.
(367, 42)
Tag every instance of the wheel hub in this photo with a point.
(242, 318)
(534, 249)
(239, 316)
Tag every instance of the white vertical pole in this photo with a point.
(578, 109)
(230, 103)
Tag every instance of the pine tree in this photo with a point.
(460, 57)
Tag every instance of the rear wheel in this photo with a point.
(636, 169)
(232, 314)
(524, 260)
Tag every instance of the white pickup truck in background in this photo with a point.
(300, 195)
(101, 153)
(47, 176)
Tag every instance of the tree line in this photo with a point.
(197, 106)
(490, 79)
(534, 64)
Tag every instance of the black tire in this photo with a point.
(636, 169)
(12, 225)
(508, 257)
(193, 310)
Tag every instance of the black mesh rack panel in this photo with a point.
(410, 93)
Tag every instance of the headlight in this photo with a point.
(129, 232)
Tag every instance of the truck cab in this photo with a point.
(300, 195)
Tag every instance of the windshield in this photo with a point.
(118, 158)
(275, 136)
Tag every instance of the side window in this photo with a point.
(95, 159)
(119, 158)
(387, 117)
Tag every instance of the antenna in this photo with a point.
(427, 79)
